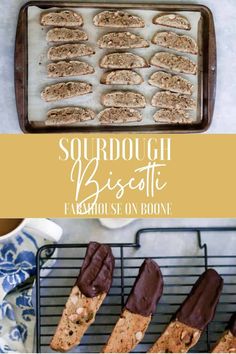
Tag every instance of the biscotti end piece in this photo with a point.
(172, 20)
(177, 338)
(127, 333)
(70, 51)
(122, 40)
(68, 115)
(226, 344)
(121, 77)
(119, 115)
(175, 83)
(172, 40)
(129, 99)
(118, 19)
(167, 99)
(78, 315)
(64, 90)
(174, 62)
(69, 68)
(66, 35)
(65, 18)
(123, 61)
(172, 116)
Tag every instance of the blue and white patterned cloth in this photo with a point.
(17, 315)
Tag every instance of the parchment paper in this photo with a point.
(37, 65)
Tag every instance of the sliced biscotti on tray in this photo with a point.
(69, 68)
(64, 18)
(64, 90)
(172, 116)
(139, 308)
(227, 342)
(175, 83)
(123, 60)
(167, 99)
(176, 63)
(86, 297)
(172, 20)
(120, 115)
(130, 99)
(118, 19)
(69, 115)
(122, 40)
(66, 35)
(70, 51)
(172, 40)
(121, 77)
(196, 312)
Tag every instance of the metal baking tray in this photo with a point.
(180, 271)
(206, 75)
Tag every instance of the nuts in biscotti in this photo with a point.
(70, 51)
(121, 77)
(119, 115)
(65, 18)
(172, 40)
(67, 116)
(227, 343)
(118, 19)
(66, 35)
(69, 68)
(175, 83)
(174, 62)
(172, 20)
(167, 99)
(123, 61)
(64, 90)
(172, 116)
(122, 40)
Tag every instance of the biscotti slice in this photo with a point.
(66, 35)
(172, 116)
(193, 316)
(122, 40)
(167, 99)
(129, 99)
(70, 51)
(64, 90)
(172, 40)
(227, 343)
(119, 115)
(86, 297)
(118, 19)
(174, 62)
(68, 115)
(123, 61)
(121, 77)
(65, 18)
(175, 83)
(172, 20)
(69, 68)
(139, 308)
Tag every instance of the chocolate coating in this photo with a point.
(147, 289)
(232, 325)
(97, 270)
(199, 307)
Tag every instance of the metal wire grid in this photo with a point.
(180, 273)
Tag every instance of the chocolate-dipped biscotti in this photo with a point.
(86, 297)
(140, 306)
(227, 343)
(193, 316)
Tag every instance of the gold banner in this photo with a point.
(118, 175)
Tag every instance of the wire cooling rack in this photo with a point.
(56, 277)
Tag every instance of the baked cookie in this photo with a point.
(227, 343)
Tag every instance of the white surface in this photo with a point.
(225, 20)
(38, 61)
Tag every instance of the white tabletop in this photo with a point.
(225, 20)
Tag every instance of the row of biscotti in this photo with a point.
(184, 330)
